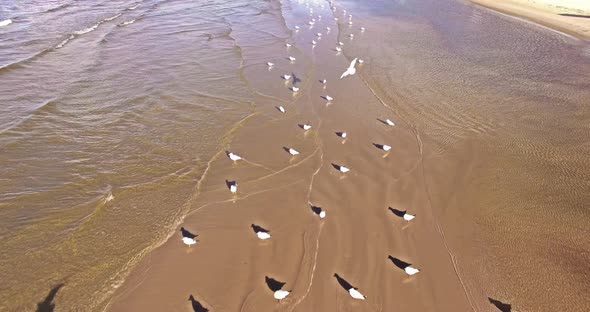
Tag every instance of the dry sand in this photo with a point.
(572, 17)
(226, 270)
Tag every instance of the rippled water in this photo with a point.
(115, 98)
(128, 100)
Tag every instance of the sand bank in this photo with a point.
(571, 17)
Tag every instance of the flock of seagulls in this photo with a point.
(264, 234)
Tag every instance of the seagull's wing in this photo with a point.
(346, 73)
(353, 63)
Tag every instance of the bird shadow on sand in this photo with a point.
(47, 305)
(398, 213)
(186, 233)
(504, 307)
(382, 121)
(295, 79)
(273, 284)
(197, 306)
(317, 210)
(379, 146)
(399, 263)
(575, 15)
(257, 229)
(346, 285)
(230, 183)
(336, 166)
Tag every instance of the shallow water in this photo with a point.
(132, 99)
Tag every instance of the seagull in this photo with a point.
(317, 210)
(5, 22)
(294, 89)
(341, 134)
(270, 64)
(340, 43)
(311, 23)
(335, 18)
(338, 49)
(305, 126)
(408, 217)
(313, 42)
(349, 22)
(292, 151)
(233, 156)
(402, 214)
(389, 122)
(281, 294)
(261, 232)
(356, 294)
(323, 81)
(296, 28)
(286, 77)
(350, 70)
(328, 28)
(351, 36)
(382, 146)
(233, 186)
(189, 241)
(281, 109)
(319, 34)
(292, 59)
(341, 168)
(362, 28)
(361, 61)
(288, 45)
(411, 271)
(328, 98)
(404, 266)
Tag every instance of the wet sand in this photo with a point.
(450, 168)
(226, 270)
(570, 20)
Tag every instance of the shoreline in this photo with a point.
(544, 15)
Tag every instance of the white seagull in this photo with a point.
(382, 146)
(288, 45)
(313, 42)
(351, 36)
(323, 81)
(408, 217)
(319, 34)
(328, 98)
(5, 22)
(260, 232)
(335, 18)
(281, 109)
(233, 186)
(338, 49)
(362, 28)
(294, 89)
(319, 211)
(270, 64)
(296, 28)
(350, 70)
(410, 270)
(292, 151)
(292, 59)
(328, 28)
(340, 43)
(341, 168)
(286, 77)
(389, 122)
(349, 22)
(281, 294)
(188, 241)
(305, 126)
(356, 294)
(361, 61)
(341, 134)
(233, 156)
